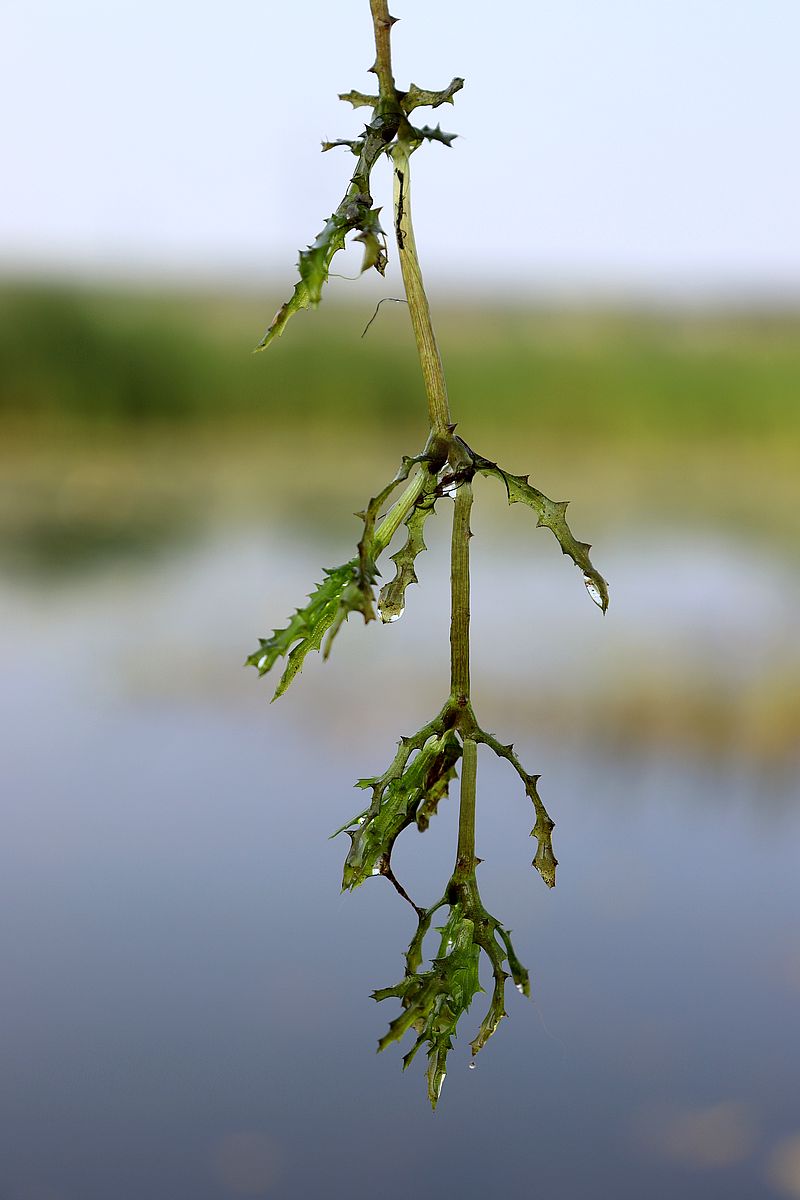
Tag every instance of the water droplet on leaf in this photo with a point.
(593, 590)
(471, 1066)
(261, 661)
(451, 487)
(388, 617)
(521, 989)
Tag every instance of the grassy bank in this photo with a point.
(125, 413)
(106, 357)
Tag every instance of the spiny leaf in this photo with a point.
(359, 99)
(307, 626)
(545, 860)
(519, 974)
(551, 515)
(409, 787)
(356, 597)
(392, 598)
(428, 134)
(315, 262)
(354, 146)
(374, 241)
(345, 589)
(417, 97)
(355, 213)
(296, 303)
(374, 250)
(438, 782)
(435, 1000)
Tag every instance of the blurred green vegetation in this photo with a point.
(129, 416)
(132, 357)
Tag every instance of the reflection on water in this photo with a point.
(51, 547)
(186, 1005)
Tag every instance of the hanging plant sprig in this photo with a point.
(433, 998)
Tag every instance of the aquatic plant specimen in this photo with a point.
(433, 999)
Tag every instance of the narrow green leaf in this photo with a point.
(392, 598)
(551, 515)
(545, 860)
(367, 566)
(307, 626)
(298, 300)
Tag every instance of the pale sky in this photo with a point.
(604, 143)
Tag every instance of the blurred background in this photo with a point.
(613, 258)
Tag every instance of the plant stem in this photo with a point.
(427, 348)
(419, 310)
(440, 423)
(459, 597)
(459, 675)
(465, 854)
(382, 24)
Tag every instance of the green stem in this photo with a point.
(427, 348)
(418, 307)
(440, 423)
(465, 854)
(459, 597)
(382, 23)
(398, 513)
(459, 672)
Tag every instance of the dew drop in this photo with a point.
(521, 989)
(471, 1066)
(593, 590)
(389, 617)
(261, 661)
(450, 488)
(376, 871)
(440, 1084)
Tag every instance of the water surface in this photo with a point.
(185, 995)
